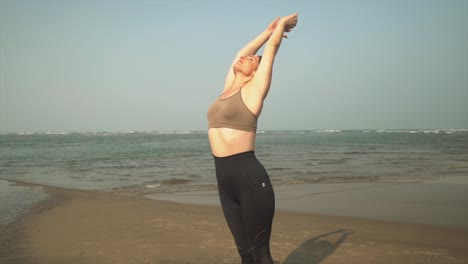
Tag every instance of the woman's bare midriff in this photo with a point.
(226, 141)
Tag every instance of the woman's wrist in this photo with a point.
(268, 31)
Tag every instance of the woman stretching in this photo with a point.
(245, 191)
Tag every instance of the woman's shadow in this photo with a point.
(314, 250)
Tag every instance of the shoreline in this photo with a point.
(407, 202)
(438, 202)
(96, 227)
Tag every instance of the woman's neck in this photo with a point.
(240, 81)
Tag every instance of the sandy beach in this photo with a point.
(92, 227)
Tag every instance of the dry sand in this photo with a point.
(90, 227)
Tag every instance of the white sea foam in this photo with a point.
(25, 133)
(422, 131)
(330, 131)
(175, 132)
(56, 133)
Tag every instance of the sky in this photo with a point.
(81, 66)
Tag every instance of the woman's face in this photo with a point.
(247, 65)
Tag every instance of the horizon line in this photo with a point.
(205, 131)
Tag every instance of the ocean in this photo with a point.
(145, 163)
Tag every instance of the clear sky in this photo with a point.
(157, 65)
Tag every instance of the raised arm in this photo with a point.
(262, 78)
(250, 49)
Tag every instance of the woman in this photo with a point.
(245, 191)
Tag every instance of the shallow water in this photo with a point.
(16, 200)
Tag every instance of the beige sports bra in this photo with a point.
(231, 112)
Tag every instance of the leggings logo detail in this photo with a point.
(263, 184)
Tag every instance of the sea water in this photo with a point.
(145, 163)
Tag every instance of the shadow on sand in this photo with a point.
(314, 250)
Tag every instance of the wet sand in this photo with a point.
(438, 201)
(90, 227)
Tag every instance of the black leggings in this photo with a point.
(248, 203)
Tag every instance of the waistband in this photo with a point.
(235, 156)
